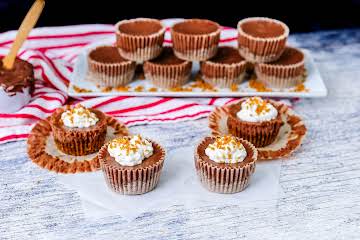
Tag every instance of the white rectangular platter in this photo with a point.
(314, 84)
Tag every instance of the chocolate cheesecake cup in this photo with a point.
(195, 39)
(287, 71)
(107, 68)
(140, 39)
(131, 180)
(78, 141)
(261, 39)
(167, 70)
(16, 85)
(260, 133)
(224, 177)
(226, 68)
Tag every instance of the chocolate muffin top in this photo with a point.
(196, 27)
(262, 28)
(106, 54)
(17, 78)
(227, 55)
(289, 56)
(140, 27)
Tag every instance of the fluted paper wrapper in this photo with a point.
(111, 74)
(140, 47)
(138, 180)
(77, 142)
(195, 47)
(231, 179)
(255, 49)
(168, 76)
(223, 75)
(260, 134)
(280, 76)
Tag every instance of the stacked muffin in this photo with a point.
(261, 42)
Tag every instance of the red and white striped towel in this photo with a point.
(52, 51)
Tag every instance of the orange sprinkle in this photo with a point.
(258, 86)
(180, 89)
(234, 88)
(122, 89)
(106, 89)
(81, 90)
(139, 89)
(153, 89)
(300, 88)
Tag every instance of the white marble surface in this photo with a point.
(320, 182)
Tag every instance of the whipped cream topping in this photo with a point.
(255, 109)
(130, 151)
(79, 117)
(226, 149)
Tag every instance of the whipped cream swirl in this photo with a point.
(226, 149)
(255, 109)
(130, 151)
(79, 117)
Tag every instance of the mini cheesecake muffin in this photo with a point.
(16, 85)
(107, 68)
(262, 39)
(195, 39)
(140, 39)
(225, 164)
(78, 130)
(287, 71)
(131, 165)
(167, 70)
(226, 68)
(255, 120)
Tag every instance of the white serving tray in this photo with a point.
(314, 83)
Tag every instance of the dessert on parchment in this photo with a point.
(254, 119)
(132, 164)
(225, 164)
(78, 130)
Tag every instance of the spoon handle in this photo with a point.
(27, 24)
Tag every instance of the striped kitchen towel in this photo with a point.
(52, 51)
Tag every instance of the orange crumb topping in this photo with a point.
(122, 89)
(223, 142)
(258, 86)
(180, 89)
(139, 89)
(124, 144)
(261, 105)
(153, 89)
(204, 86)
(300, 88)
(234, 88)
(81, 90)
(106, 89)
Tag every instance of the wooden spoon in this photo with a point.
(27, 24)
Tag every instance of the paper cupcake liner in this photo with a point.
(195, 47)
(260, 134)
(131, 181)
(77, 142)
(224, 82)
(256, 49)
(43, 151)
(280, 76)
(230, 179)
(223, 75)
(111, 74)
(168, 76)
(140, 47)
